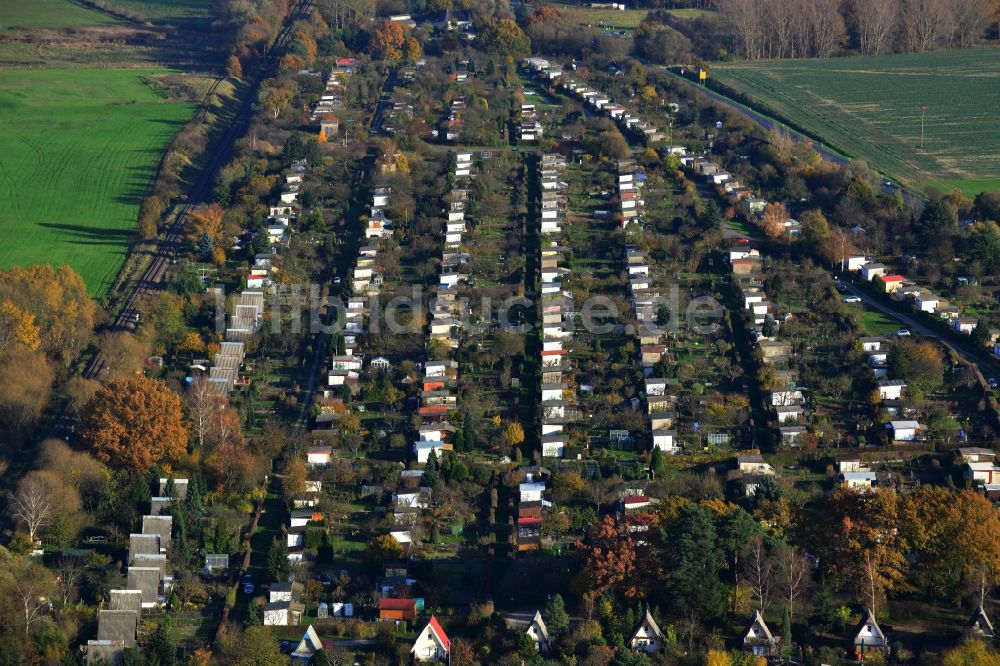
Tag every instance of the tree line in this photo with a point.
(763, 29)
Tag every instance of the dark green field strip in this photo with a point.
(871, 108)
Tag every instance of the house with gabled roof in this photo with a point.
(980, 625)
(868, 636)
(307, 647)
(757, 637)
(647, 637)
(539, 633)
(432, 644)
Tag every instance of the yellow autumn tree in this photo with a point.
(718, 658)
(192, 343)
(17, 327)
(972, 653)
(403, 164)
(322, 136)
(58, 301)
(513, 434)
(411, 49)
(218, 256)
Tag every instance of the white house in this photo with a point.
(872, 269)
(553, 445)
(856, 261)
(788, 413)
(785, 396)
(869, 636)
(538, 633)
(904, 431)
(664, 440)
(872, 343)
(647, 637)
(531, 491)
(282, 614)
(926, 302)
(965, 325)
(319, 455)
(422, 450)
(891, 389)
(983, 472)
(432, 643)
(307, 647)
(859, 480)
(737, 253)
(757, 638)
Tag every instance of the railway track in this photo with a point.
(166, 251)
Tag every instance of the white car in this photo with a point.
(903, 332)
(852, 299)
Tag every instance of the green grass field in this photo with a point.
(874, 322)
(169, 11)
(77, 154)
(47, 14)
(625, 20)
(870, 109)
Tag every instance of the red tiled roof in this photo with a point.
(529, 521)
(893, 278)
(443, 637)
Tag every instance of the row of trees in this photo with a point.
(820, 28)
(935, 540)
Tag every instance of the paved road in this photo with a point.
(980, 359)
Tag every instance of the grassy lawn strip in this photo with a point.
(47, 14)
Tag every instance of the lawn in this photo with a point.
(47, 14)
(628, 19)
(182, 12)
(871, 108)
(876, 323)
(77, 154)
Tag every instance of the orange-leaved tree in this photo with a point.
(607, 557)
(389, 39)
(134, 422)
(773, 222)
(204, 221)
(953, 538)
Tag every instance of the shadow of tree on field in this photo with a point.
(83, 235)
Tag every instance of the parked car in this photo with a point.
(992, 381)
(852, 299)
(903, 332)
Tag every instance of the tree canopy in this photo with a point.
(503, 37)
(134, 422)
